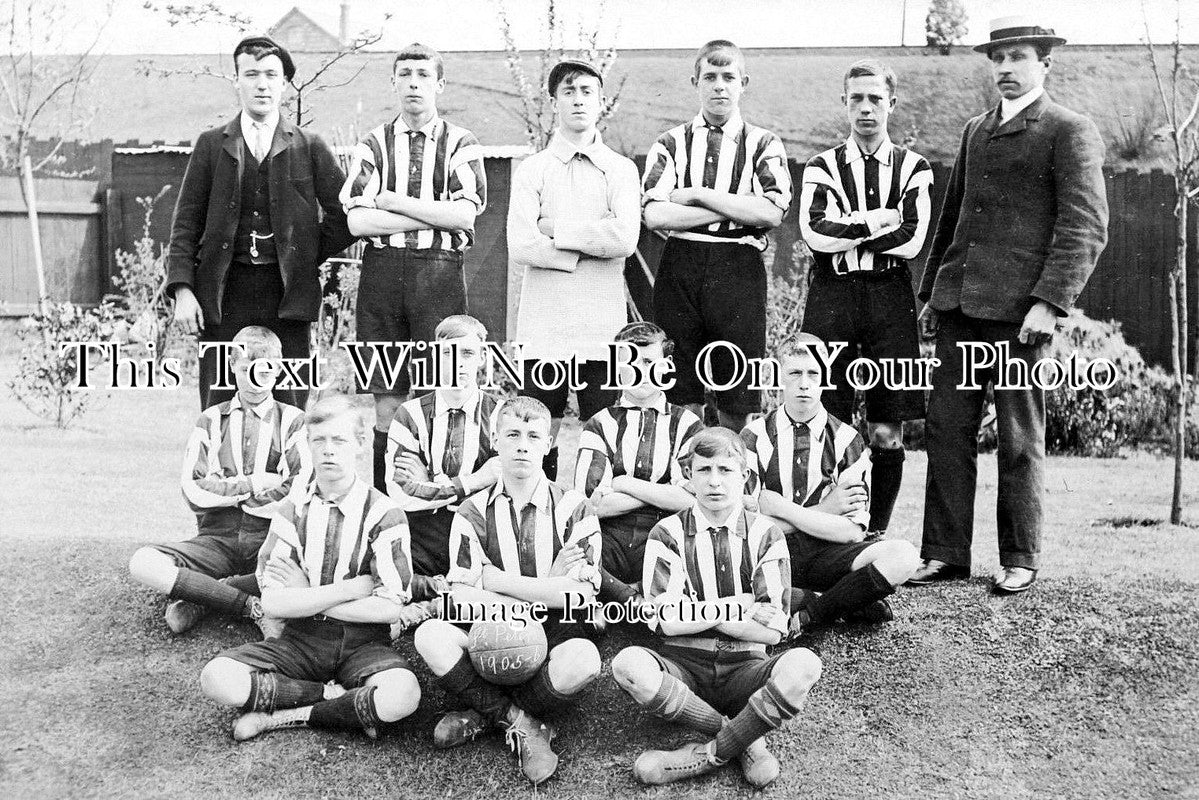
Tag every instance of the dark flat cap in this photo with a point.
(571, 65)
(289, 66)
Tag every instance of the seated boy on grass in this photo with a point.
(243, 457)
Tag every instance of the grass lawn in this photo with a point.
(1085, 687)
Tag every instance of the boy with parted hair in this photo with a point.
(336, 567)
(414, 188)
(573, 219)
(439, 451)
(526, 540)
(717, 184)
(716, 560)
(628, 463)
(808, 469)
(865, 211)
(244, 457)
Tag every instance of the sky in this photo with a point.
(141, 26)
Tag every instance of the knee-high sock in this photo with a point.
(245, 583)
(486, 698)
(767, 710)
(270, 691)
(196, 587)
(856, 590)
(354, 709)
(380, 457)
(675, 702)
(538, 695)
(886, 474)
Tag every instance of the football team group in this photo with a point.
(749, 533)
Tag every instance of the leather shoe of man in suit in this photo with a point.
(934, 571)
(1014, 580)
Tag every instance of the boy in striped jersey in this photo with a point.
(336, 567)
(524, 541)
(628, 464)
(439, 452)
(808, 469)
(719, 578)
(414, 188)
(864, 210)
(243, 458)
(718, 185)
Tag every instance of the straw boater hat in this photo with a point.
(1012, 30)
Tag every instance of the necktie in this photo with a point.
(455, 436)
(261, 145)
(643, 467)
(416, 158)
(712, 159)
(525, 528)
(799, 470)
(723, 556)
(249, 437)
(873, 198)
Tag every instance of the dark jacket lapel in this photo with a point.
(1020, 121)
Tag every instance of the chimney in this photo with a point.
(343, 27)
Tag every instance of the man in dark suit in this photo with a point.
(1024, 221)
(257, 214)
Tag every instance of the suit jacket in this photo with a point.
(306, 216)
(1025, 215)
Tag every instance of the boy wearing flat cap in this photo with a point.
(573, 218)
(248, 235)
(1024, 221)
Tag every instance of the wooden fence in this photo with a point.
(86, 220)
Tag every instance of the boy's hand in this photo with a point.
(385, 200)
(684, 197)
(929, 322)
(285, 573)
(410, 615)
(844, 499)
(546, 226)
(750, 502)
(409, 466)
(265, 481)
(568, 558)
(361, 587)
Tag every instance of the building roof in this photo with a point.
(297, 31)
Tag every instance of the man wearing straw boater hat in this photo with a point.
(1024, 221)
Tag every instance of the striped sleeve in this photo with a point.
(689, 425)
(391, 557)
(753, 463)
(403, 438)
(660, 176)
(467, 177)
(771, 580)
(771, 177)
(467, 557)
(593, 467)
(823, 221)
(853, 467)
(203, 485)
(282, 540)
(295, 464)
(915, 211)
(363, 181)
(663, 572)
(582, 528)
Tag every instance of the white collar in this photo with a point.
(247, 126)
(659, 405)
(703, 521)
(427, 129)
(442, 406)
(731, 127)
(882, 153)
(1010, 108)
(816, 424)
(262, 409)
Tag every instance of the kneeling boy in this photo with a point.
(717, 560)
(525, 541)
(336, 567)
(628, 464)
(810, 469)
(439, 452)
(243, 457)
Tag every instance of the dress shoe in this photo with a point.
(877, 612)
(1015, 580)
(934, 571)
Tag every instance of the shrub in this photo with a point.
(45, 379)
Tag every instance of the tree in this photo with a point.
(41, 87)
(1182, 133)
(305, 84)
(945, 24)
(535, 110)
